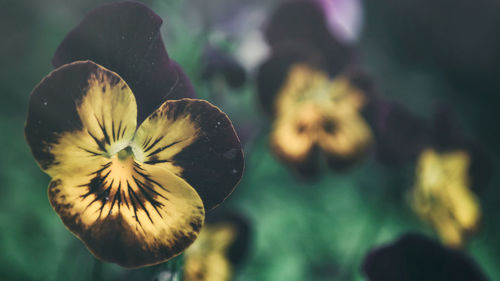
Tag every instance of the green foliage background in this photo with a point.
(301, 230)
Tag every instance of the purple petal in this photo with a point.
(125, 38)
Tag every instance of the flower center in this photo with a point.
(125, 153)
(123, 183)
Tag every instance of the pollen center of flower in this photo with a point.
(125, 153)
(122, 167)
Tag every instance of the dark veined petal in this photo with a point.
(78, 113)
(415, 257)
(125, 38)
(128, 213)
(196, 141)
(82, 118)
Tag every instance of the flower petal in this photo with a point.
(294, 136)
(79, 112)
(441, 195)
(304, 22)
(275, 71)
(207, 259)
(312, 110)
(240, 247)
(219, 249)
(128, 213)
(196, 141)
(347, 141)
(125, 37)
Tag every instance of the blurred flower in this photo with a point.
(415, 257)
(442, 194)
(313, 92)
(313, 111)
(220, 248)
(217, 63)
(135, 195)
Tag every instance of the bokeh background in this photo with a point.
(419, 53)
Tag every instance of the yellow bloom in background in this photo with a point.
(312, 110)
(206, 259)
(220, 250)
(441, 195)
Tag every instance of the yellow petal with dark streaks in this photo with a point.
(196, 141)
(164, 135)
(79, 112)
(129, 213)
